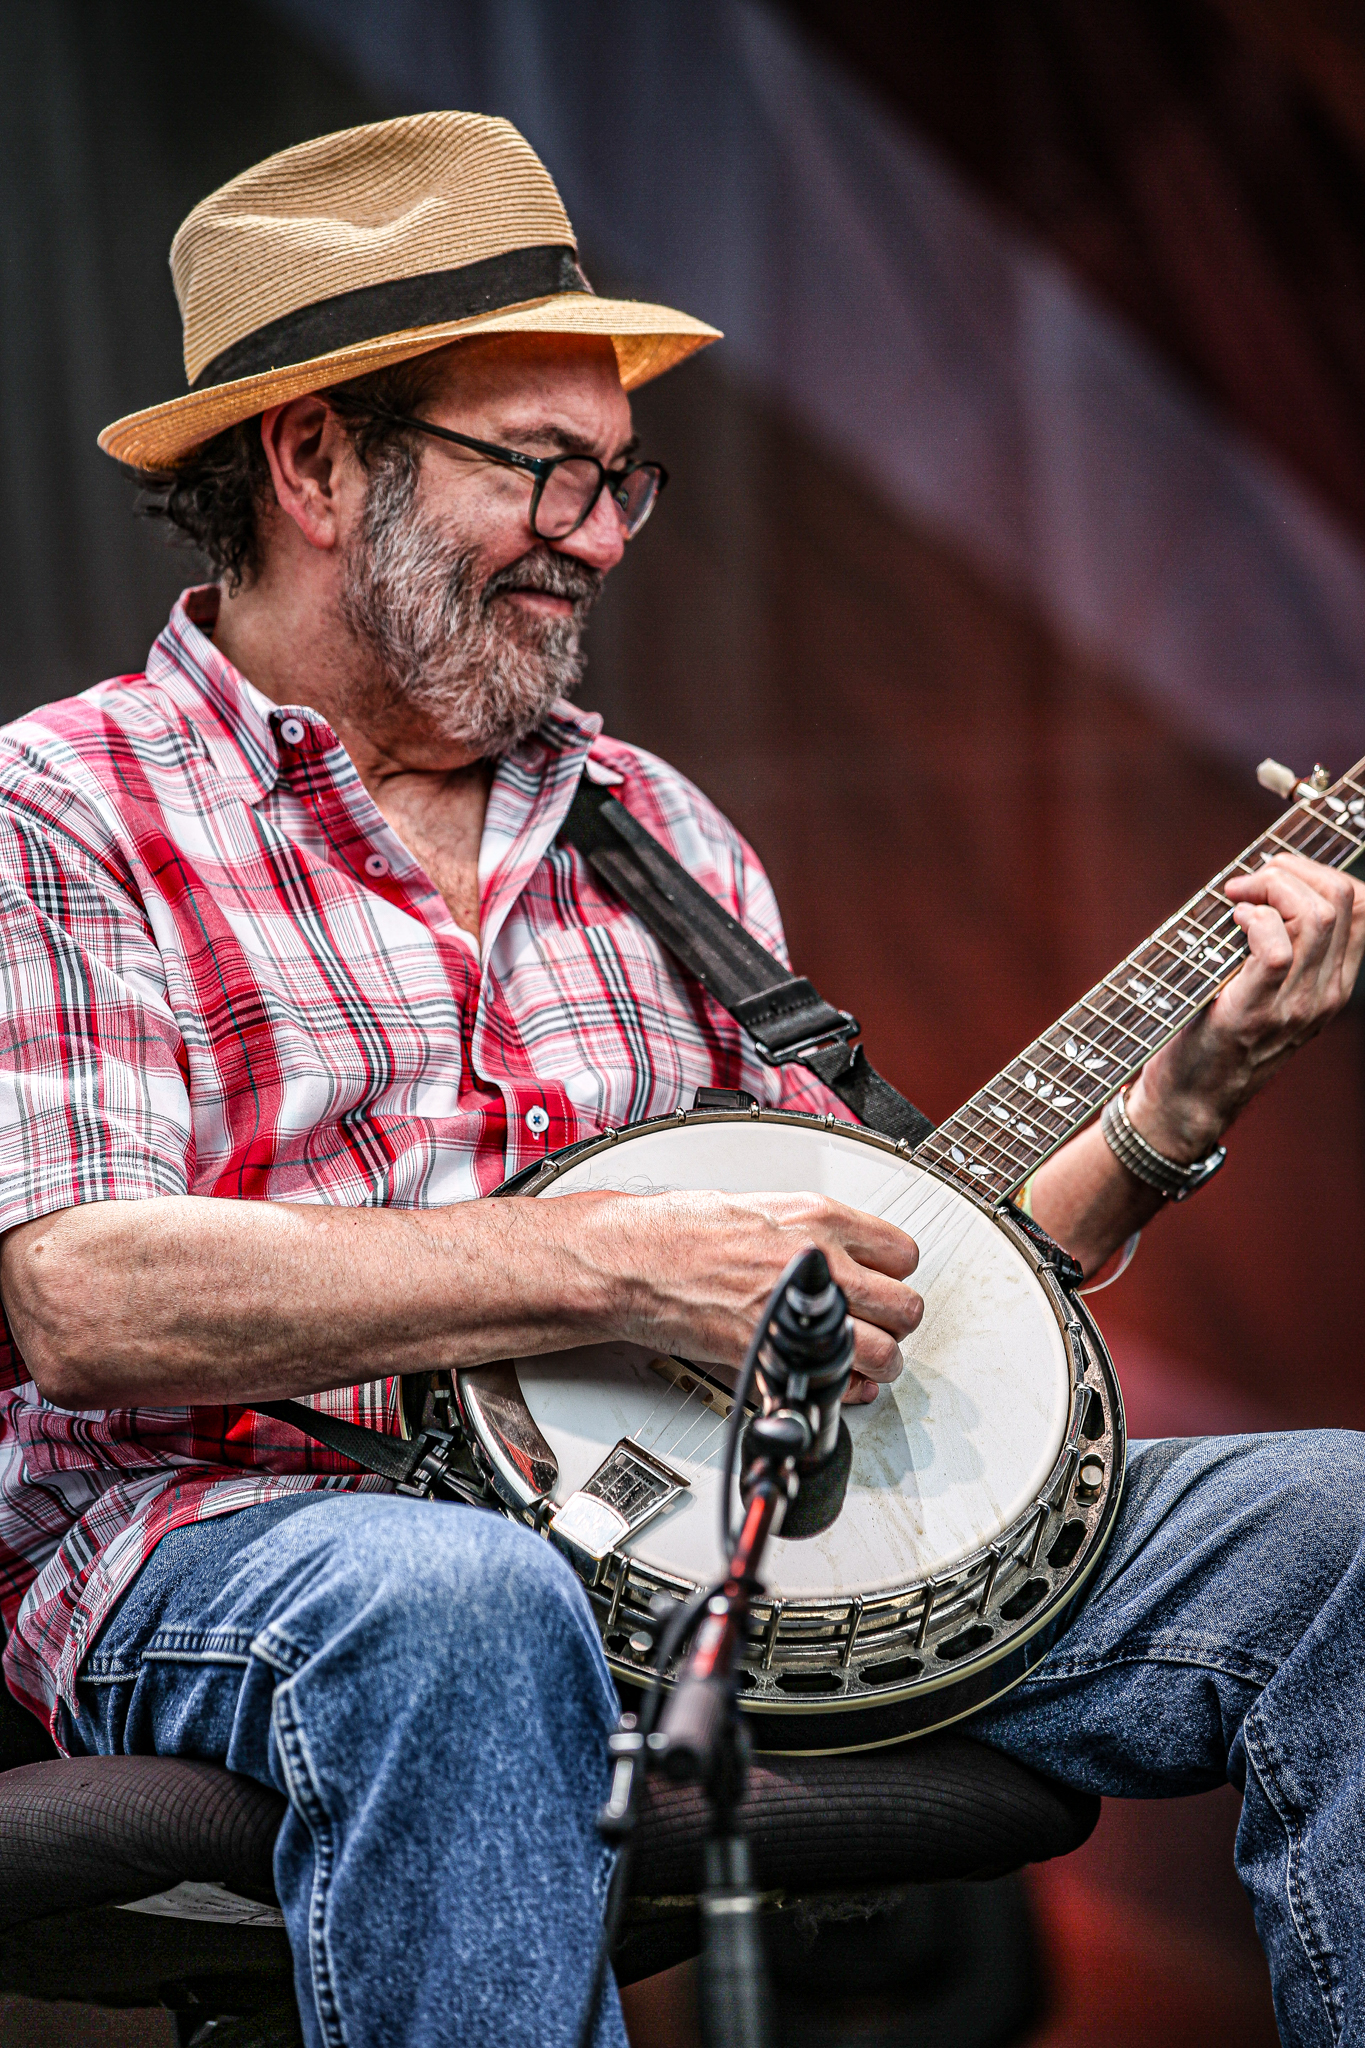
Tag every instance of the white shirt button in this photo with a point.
(376, 865)
(292, 730)
(537, 1121)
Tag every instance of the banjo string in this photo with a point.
(918, 1208)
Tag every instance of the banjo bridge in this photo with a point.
(629, 1488)
(696, 1384)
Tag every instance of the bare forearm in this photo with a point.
(192, 1300)
(1089, 1201)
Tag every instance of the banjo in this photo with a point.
(985, 1482)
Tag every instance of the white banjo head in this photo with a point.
(943, 1462)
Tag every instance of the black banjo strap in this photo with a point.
(785, 1016)
(433, 1462)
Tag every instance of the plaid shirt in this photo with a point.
(221, 974)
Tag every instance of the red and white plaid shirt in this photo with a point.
(221, 974)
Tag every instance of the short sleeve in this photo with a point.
(94, 1104)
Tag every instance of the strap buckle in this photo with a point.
(791, 1020)
(843, 1033)
(441, 1468)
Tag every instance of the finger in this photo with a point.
(1311, 871)
(873, 1298)
(1272, 948)
(859, 1391)
(1314, 903)
(871, 1240)
(1355, 945)
(1318, 916)
(876, 1354)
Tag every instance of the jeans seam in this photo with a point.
(172, 1642)
(1052, 1667)
(196, 1657)
(1302, 1907)
(305, 1795)
(276, 1650)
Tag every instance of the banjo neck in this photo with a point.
(1056, 1085)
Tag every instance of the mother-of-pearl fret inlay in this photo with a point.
(1057, 1084)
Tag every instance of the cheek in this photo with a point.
(482, 509)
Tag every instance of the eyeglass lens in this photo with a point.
(571, 490)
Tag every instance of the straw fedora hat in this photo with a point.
(369, 247)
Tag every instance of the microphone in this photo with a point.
(804, 1365)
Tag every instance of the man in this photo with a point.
(294, 969)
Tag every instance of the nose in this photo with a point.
(599, 541)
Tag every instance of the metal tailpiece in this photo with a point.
(627, 1490)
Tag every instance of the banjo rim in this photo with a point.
(879, 1714)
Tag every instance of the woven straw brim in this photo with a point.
(648, 340)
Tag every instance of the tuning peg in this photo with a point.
(1273, 775)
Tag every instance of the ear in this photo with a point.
(313, 468)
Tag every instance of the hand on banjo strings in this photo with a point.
(1305, 927)
(694, 1272)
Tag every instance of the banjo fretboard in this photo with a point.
(1044, 1096)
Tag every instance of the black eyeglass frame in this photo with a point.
(542, 468)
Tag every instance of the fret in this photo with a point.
(1331, 811)
(1054, 1086)
(1112, 1024)
(993, 1139)
(1283, 845)
(1185, 962)
(1331, 827)
(1144, 991)
(1197, 958)
(1028, 1102)
(1006, 1118)
(1180, 1001)
(1335, 810)
(1141, 1002)
(1051, 1083)
(952, 1159)
(1075, 1050)
(1076, 1079)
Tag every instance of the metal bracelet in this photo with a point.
(1176, 1182)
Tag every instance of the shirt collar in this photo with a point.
(233, 720)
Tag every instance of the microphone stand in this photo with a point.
(702, 1738)
(699, 1734)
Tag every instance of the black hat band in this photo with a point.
(373, 310)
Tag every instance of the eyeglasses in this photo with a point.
(566, 487)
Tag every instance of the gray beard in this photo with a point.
(479, 672)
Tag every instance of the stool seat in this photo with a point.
(81, 1837)
(97, 1831)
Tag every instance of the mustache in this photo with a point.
(553, 574)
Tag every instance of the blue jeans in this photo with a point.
(425, 1686)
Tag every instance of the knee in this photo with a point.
(477, 1585)
(429, 1594)
(508, 1582)
(1310, 1485)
